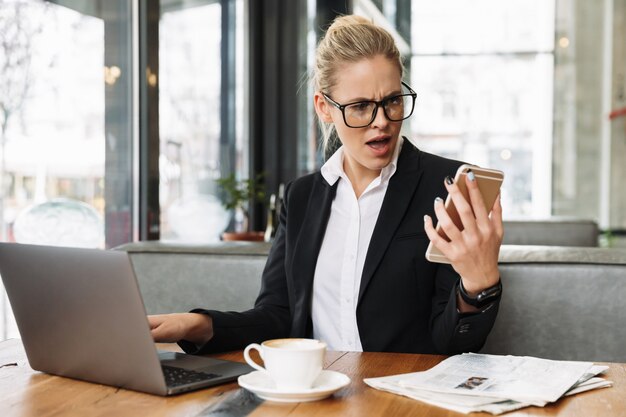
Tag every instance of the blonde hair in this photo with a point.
(349, 38)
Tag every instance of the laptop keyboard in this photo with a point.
(175, 377)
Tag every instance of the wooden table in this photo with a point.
(24, 392)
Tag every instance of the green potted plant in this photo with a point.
(237, 195)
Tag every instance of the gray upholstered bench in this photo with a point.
(554, 231)
(559, 302)
(177, 278)
(562, 303)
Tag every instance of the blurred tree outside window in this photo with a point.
(58, 68)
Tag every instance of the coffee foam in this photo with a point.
(294, 344)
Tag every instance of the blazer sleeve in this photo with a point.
(455, 332)
(269, 319)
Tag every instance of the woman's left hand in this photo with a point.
(474, 250)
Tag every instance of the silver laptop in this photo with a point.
(80, 315)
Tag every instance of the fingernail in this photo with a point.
(470, 175)
(449, 180)
(438, 200)
(425, 218)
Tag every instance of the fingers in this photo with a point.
(194, 327)
(447, 224)
(156, 327)
(158, 335)
(439, 242)
(476, 198)
(473, 246)
(463, 207)
(165, 328)
(445, 221)
(496, 218)
(468, 226)
(155, 320)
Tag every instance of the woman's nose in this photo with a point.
(381, 119)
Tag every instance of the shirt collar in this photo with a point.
(332, 169)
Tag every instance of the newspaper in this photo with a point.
(495, 384)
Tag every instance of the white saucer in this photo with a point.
(327, 383)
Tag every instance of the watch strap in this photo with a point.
(486, 296)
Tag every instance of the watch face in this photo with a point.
(489, 295)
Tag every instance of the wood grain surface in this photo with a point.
(24, 392)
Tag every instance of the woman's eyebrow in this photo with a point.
(394, 93)
(358, 99)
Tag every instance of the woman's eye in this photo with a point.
(363, 107)
(394, 101)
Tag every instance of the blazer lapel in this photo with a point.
(399, 194)
(307, 249)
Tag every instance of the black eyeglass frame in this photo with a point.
(380, 103)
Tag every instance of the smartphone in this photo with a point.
(489, 182)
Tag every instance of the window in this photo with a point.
(65, 125)
(200, 115)
(484, 73)
(71, 134)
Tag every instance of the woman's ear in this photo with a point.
(322, 108)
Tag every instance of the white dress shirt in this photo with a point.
(340, 262)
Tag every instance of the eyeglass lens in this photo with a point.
(396, 108)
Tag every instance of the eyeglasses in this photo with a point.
(362, 113)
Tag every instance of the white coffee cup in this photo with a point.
(293, 364)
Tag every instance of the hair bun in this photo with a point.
(348, 20)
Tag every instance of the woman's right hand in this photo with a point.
(193, 327)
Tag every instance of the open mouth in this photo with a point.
(379, 142)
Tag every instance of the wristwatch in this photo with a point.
(484, 297)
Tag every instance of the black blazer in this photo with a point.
(405, 304)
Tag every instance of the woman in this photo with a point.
(347, 265)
